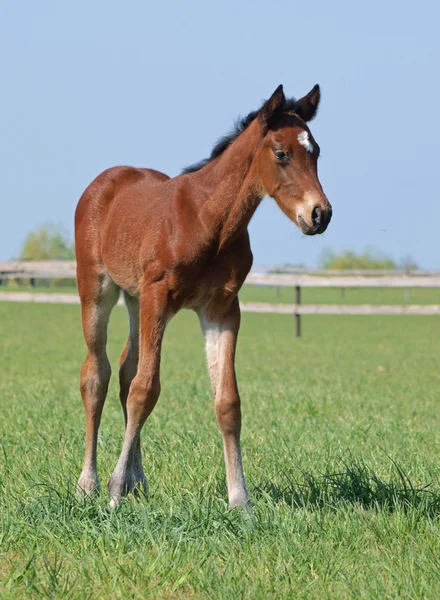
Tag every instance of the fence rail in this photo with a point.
(38, 269)
(256, 307)
(355, 272)
(298, 280)
(342, 309)
(285, 280)
(67, 269)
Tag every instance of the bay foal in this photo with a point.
(183, 243)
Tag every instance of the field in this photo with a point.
(287, 294)
(341, 445)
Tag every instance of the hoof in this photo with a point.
(120, 487)
(114, 502)
(240, 500)
(87, 486)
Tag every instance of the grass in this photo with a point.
(346, 296)
(341, 443)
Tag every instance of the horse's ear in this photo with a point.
(272, 109)
(307, 106)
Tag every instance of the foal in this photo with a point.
(183, 243)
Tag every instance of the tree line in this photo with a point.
(51, 242)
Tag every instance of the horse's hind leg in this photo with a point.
(128, 368)
(97, 300)
(145, 387)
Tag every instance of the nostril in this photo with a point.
(316, 216)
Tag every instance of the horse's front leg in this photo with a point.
(220, 329)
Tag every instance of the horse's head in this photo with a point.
(288, 157)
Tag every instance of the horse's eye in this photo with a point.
(279, 155)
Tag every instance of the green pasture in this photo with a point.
(341, 447)
(341, 295)
(286, 295)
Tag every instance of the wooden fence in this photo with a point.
(356, 272)
(311, 279)
(56, 269)
(67, 270)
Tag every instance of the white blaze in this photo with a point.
(303, 139)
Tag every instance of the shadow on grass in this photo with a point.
(355, 484)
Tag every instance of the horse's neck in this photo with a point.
(236, 193)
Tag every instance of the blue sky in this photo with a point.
(89, 85)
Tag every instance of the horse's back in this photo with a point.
(99, 194)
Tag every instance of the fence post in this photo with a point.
(297, 314)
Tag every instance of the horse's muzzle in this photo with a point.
(320, 219)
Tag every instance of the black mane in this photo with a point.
(239, 127)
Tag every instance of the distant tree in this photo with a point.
(408, 264)
(47, 242)
(351, 260)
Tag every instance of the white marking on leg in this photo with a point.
(237, 492)
(218, 336)
(212, 332)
